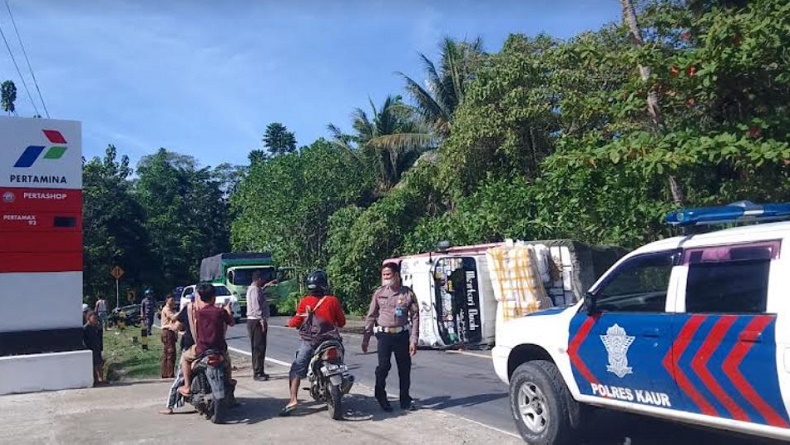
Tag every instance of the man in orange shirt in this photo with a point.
(329, 309)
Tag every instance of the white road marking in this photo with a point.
(471, 354)
(268, 359)
(352, 334)
(493, 428)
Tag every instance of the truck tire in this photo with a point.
(542, 405)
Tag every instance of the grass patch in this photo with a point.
(124, 356)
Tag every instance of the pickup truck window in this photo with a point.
(729, 279)
(638, 285)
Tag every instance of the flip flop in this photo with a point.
(181, 391)
(287, 410)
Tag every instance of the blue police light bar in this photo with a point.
(741, 211)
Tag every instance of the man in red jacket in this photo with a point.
(329, 309)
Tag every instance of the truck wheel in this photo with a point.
(542, 405)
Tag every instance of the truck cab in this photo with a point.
(238, 280)
(234, 271)
(694, 329)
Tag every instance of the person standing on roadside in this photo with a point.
(258, 322)
(93, 339)
(169, 336)
(393, 309)
(147, 310)
(101, 311)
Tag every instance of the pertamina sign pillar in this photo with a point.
(41, 256)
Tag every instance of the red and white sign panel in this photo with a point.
(40, 196)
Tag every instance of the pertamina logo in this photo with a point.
(32, 152)
(41, 153)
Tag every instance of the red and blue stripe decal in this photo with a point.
(726, 366)
(718, 365)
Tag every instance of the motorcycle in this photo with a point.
(130, 314)
(329, 377)
(210, 392)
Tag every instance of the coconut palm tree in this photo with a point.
(445, 87)
(389, 139)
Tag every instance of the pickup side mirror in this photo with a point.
(590, 303)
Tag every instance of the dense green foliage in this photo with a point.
(542, 139)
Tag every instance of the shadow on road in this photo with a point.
(611, 427)
(252, 410)
(358, 408)
(443, 402)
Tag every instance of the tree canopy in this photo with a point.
(594, 138)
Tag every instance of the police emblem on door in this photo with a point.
(616, 342)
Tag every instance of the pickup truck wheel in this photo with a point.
(541, 404)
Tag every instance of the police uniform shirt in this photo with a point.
(391, 309)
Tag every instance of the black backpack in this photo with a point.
(315, 330)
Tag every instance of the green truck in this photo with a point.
(234, 270)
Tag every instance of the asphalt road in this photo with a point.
(464, 384)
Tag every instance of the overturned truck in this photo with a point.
(465, 292)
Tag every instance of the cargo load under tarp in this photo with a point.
(211, 268)
(532, 275)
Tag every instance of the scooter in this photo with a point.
(210, 393)
(329, 377)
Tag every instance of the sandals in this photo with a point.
(287, 410)
(184, 394)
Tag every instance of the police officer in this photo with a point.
(394, 318)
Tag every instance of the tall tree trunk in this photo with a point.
(629, 16)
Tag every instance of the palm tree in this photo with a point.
(390, 138)
(446, 85)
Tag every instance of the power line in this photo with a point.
(35, 82)
(18, 71)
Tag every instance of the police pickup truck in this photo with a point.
(693, 329)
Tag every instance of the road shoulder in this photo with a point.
(126, 412)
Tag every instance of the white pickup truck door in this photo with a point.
(621, 352)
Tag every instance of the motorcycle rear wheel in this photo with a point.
(218, 411)
(334, 402)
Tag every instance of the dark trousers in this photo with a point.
(257, 345)
(168, 362)
(399, 345)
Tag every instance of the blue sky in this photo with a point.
(205, 77)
